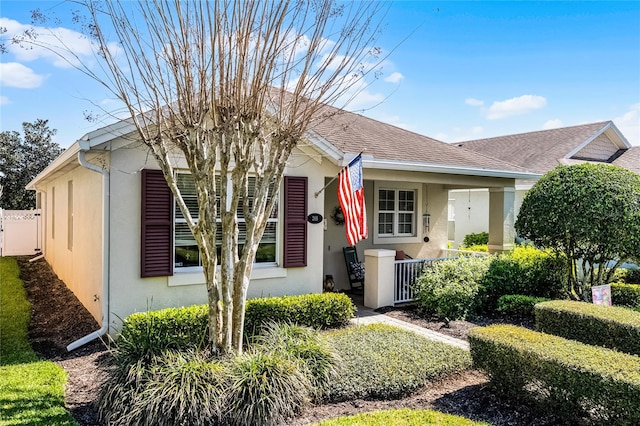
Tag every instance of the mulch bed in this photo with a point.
(58, 318)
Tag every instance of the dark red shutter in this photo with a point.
(156, 255)
(295, 221)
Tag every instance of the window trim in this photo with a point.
(397, 186)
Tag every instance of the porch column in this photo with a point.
(501, 219)
(379, 265)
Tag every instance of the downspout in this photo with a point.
(84, 147)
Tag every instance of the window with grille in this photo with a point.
(396, 212)
(186, 249)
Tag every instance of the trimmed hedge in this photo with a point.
(568, 377)
(518, 305)
(627, 295)
(607, 326)
(145, 334)
(321, 311)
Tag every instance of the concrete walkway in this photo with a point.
(369, 316)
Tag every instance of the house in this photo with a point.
(539, 152)
(102, 203)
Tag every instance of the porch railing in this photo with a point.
(406, 274)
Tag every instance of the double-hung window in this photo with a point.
(396, 212)
(186, 249)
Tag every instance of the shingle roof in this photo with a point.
(538, 151)
(352, 133)
(630, 159)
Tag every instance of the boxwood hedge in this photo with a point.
(568, 377)
(609, 326)
(623, 294)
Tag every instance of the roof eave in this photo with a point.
(65, 158)
(452, 170)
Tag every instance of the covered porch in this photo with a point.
(408, 219)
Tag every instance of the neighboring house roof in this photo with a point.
(630, 159)
(541, 151)
(388, 146)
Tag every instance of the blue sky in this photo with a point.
(467, 70)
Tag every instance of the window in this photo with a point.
(186, 249)
(396, 212)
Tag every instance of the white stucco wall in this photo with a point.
(130, 293)
(79, 265)
(472, 211)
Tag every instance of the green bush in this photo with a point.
(482, 248)
(525, 270)
(629, 276)
(608, 326)
(401, 417)
(326, 310)
(627, 295)
(316, 358)
(449, 288)
(146, 334)
(172, 387)
(265, 389)
(570, 378)
(382, 362)
(518, 305)
(477, 239)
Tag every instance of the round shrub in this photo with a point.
(174, 387)
(449, 289)
(264, 389)
(477, 239)
(526, 271)
(316, 358)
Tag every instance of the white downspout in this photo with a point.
(84, 146)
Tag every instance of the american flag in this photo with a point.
(351, 197)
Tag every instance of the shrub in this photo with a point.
(483, 248)
(627, 295)
(401, 417)
(315, 357)
(265, 389)
(450, 287)
(569, 377)
(525, 270)
(172, 387)
(518, 305)
(326, 310)
(146, 334)
(629, 276)
(608, 326)
(381, 361)
(477, 239)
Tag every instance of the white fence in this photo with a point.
(20, 232)
(406, 275)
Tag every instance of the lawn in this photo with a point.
(31, 390)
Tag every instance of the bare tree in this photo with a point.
(233, 86)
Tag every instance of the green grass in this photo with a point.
(385, 362)
(31, 390)
(402, 417)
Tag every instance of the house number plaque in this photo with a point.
(314, 218)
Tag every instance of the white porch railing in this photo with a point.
(406, 275)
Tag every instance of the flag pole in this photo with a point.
(315, 194)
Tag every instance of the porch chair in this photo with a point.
(355, 268)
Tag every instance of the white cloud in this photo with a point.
(629, 124)
(473, 102)
(14, 74)
(62, 47)
(552, 124)
(515, 106)
(394, 77)
(4, 100)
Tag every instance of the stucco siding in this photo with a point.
(73, 233)
(130, 293)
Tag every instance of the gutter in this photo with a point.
(84, 147)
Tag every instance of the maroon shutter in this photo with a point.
(295, 221)
(156, 255)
